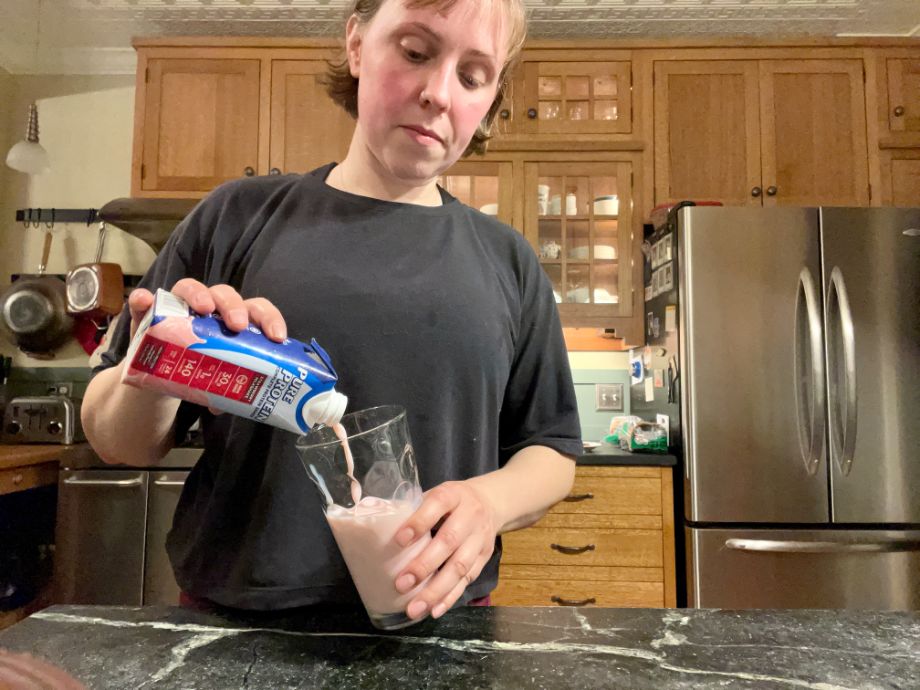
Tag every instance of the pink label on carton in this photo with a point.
(197, 370)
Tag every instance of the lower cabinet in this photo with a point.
(609, 543)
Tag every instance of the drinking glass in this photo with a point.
(366, 502)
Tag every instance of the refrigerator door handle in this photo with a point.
(843, 426)
(809, 368)
(792, 546)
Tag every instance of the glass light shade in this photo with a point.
(28, 157)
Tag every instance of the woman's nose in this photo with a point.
(436, 89)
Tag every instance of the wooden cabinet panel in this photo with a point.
(901, 177)
(813, 125)
(307, 129)
(574, 547)
(201, 122)
(21, 478)
(904, 94)
(616, 550)
(706, 131)
(566, 592)
(613, 495)
(576, 98)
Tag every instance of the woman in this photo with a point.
(420, 301)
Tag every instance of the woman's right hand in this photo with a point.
(235, 311)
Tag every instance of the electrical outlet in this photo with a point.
(608, 396)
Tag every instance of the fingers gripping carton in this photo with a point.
(290, 385)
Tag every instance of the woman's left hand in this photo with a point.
(457, 552)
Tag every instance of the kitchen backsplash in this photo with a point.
(595, 425)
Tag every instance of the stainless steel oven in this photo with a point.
(111, 530)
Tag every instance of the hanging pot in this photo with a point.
(96, 289)
(34, 311)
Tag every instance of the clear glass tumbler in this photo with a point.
(367, 500)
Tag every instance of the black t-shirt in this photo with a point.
(443, 310)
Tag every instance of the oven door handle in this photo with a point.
(137, 481)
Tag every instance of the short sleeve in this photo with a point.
(539, 406)
(183, 255)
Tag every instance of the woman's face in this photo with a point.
(426, 80)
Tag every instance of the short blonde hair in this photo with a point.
(342, 87)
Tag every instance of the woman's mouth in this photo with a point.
(422, 136)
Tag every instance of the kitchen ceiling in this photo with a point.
(94, 36)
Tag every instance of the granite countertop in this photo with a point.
(608, 454)
(167, 647)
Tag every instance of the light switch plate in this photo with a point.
(608, 396)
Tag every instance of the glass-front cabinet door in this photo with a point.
(484, 185)
(576, 98)
(578, 217)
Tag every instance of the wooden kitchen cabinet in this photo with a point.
(761, 132)
(900, 177)
(200, 124)
(578, 216)
(486, 185)
(610, 543)
(562, 97)
(307, 128)
(900, 96)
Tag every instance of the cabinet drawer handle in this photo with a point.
(771, 190)
(572, 550)
(532, 113)
(756, 192)
(572, 602)
(899, 111)
(17, 479)
(249, 171)
(505, 113)
(575, 498)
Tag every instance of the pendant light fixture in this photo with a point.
(28, 155)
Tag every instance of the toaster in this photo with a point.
(42, 419)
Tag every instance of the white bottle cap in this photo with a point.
(325, 408)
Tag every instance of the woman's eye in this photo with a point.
(414, 55)
(472, 80)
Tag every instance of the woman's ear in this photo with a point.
(353, 45)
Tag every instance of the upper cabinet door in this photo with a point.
(483, 185)
(201, 123)
(813, 123)
(576, 98)
(307, 129)
(904, 94)
(707, 142)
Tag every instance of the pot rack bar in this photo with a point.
(49, 216)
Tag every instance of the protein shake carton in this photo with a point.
(290, 385)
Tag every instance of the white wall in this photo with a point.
(86, 125)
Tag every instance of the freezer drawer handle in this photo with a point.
(575, 498)
(572, 602)
(572, 550)
(137, 481)
(165, 482)
(782, 546)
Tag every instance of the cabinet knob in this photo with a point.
(274, 171)
(248, 171)
(899, 111)
(532, 113)
(504, 113)
(771, 190)
(756, 191)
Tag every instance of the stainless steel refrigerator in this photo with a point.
(784, 346)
